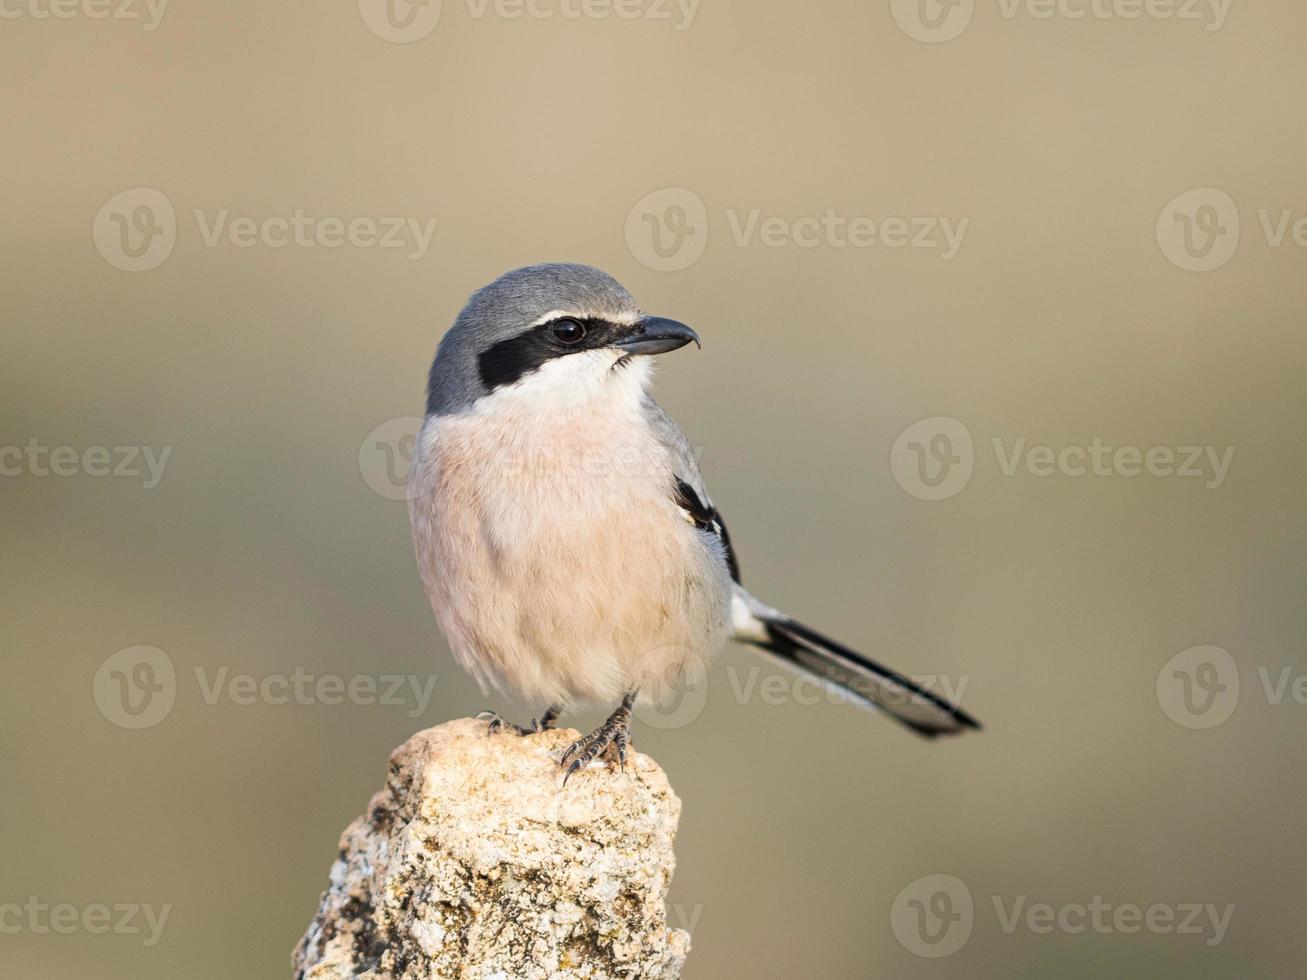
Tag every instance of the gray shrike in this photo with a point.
(563, 531)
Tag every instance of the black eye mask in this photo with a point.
(510, 360)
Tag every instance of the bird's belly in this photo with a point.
(564, 570)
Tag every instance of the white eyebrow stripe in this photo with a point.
(621, 319)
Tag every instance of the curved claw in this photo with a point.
(494, 721)
(571, 769)
(577, 746)
(497, 723)
(614, 733)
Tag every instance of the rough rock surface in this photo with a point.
(473, 863)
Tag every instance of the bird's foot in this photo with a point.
(615, 733)
(496, 723)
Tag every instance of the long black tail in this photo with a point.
(907, 702)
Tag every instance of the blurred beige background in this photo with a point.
(1058, 601)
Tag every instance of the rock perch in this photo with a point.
(473, 863)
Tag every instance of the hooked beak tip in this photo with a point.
(658, 335)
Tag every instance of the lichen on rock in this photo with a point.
(474, 863)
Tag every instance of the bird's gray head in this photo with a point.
(561, 315)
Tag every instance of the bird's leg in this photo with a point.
(615, 732)
(541, 724)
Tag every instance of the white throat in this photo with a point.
(590, 381)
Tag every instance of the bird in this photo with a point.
(563, 531)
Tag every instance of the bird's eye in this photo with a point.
(568, 331)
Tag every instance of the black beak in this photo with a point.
(658, 335)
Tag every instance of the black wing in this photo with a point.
(707, 518)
